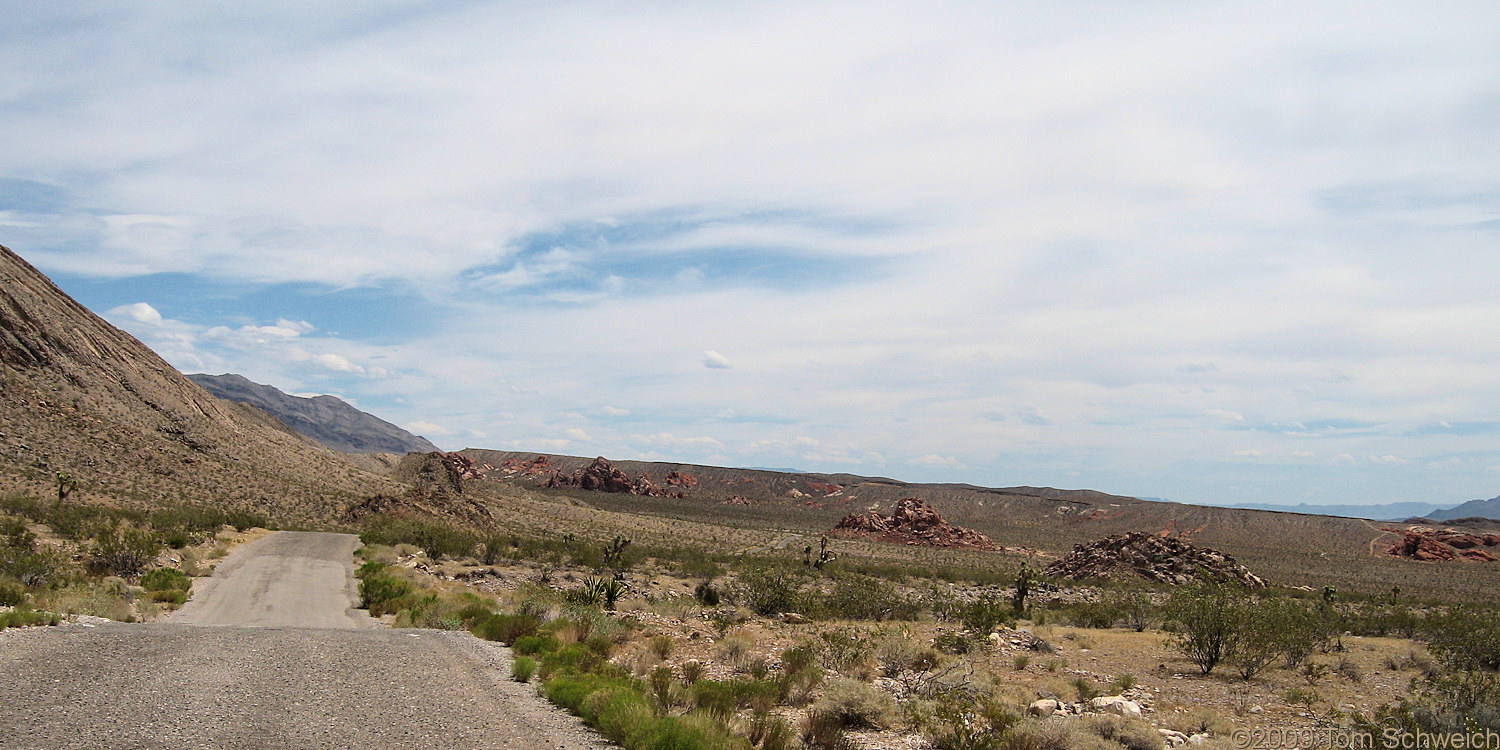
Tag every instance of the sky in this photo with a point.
(1212, 252)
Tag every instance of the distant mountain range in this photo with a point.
(326, 419)
(1474, 508)
(1390, 511)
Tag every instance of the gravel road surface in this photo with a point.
(269, 656)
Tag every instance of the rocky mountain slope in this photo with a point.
(85, 398)
(326, 419)
(1473, 509)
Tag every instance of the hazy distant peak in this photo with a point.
(327, 419)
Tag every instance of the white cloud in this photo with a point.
(1226, 415)
(140, 312)
(933, 460)
(475, 433)
(1251, 453)
(716, 361)
(423, 427)
(577, 434)
(613, 411)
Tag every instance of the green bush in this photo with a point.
(123, 552)
(769, 591)
(860, 597)
(574, 657)
(983, 615)
(858, 705)
(1207, 620)
(165, 579)
(12, 594)
(26, 617)
(436, 539)
(531, 645)
(507, 628)
(169, 596)
(522, 668)
(377, 591)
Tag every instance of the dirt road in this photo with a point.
(270, 655)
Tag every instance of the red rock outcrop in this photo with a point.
(603, 476)
(1156, 558)
(913, 522)
(1442, 545)
(681, 479)
(526, 468)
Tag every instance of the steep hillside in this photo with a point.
(84, 398)
(326, 419)
(1473, 509)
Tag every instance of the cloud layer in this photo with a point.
(1216, 253)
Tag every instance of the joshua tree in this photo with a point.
(614, 556)
(824, 556)
(1024, 579)
(66, 484)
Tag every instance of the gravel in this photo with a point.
(177, 685)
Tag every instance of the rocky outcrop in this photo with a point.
(681, 479)
(913, 522)
(603, 476)
(416, 504)
(1155, 558)
(526, 468)
(1442, 545)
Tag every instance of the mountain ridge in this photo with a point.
(329, 420)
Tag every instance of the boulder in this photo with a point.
(1042, 708)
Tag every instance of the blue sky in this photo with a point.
(1214, 252)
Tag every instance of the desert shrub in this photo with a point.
(1207, 622)
(718, 698)
(522, 668)
(105, 599)
(436, 539)
(531, 645)
(23, 617)
(895, 652)
(379, 590)
(1348, 669)
(507, 628)
(572, 658)
(473, 613)
(843, 648)
(954, 643)
(825, 730)
(985, 614)
(12, 594)
(1259, 638)
(1136, 609)
(1132, 734)
(1099, 615)
(769, 732)
(34, 566)
(123, 552)
(769, 591)
(858, 705)
(859, 597)
(165, 579)
(706, 594)
(662, 645)
(800, 673)
(692, 671)
(169, 596)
